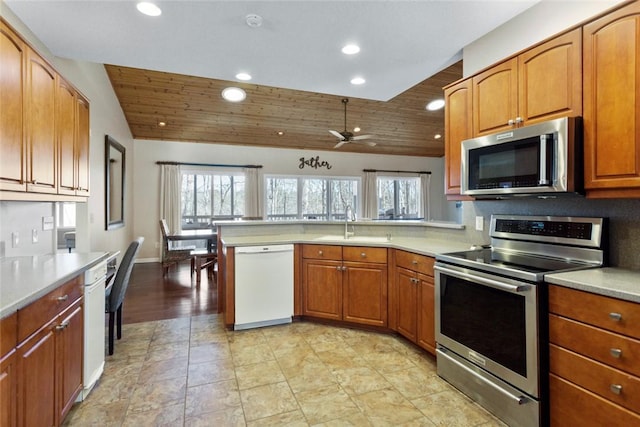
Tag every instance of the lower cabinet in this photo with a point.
(345, 283)
(415, 299)
(594, 359)
(41, 377)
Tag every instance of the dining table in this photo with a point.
(202, 258)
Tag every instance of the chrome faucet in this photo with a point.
(348, 216)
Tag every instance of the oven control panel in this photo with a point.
(572, 230)
(580, 231)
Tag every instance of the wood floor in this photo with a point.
(151, 296)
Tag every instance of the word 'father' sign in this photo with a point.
(313, 162)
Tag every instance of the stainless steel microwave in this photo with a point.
(544, 159)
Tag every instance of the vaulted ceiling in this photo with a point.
(193, 110)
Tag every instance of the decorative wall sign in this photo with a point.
(313, 162)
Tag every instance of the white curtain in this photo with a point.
(425, 200)
(253, 203)
(370, 195)
(170, 198)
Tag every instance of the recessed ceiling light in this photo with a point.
(148, 8)
(243, 76)
(234, 94)
(280, 133)
(351, 49)
(253, 20)
(437, 136)
(357, 81)
(435, 105)
(162, 124)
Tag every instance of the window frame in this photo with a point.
(396, 196)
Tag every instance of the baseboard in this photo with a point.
(146, 260)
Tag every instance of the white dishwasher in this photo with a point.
(263, 285)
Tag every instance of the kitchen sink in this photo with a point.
(354, 239)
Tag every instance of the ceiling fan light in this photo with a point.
(435, 105)
(148, 8)
(356, 129)
(351, 49)
(358, 81)
(234, 94)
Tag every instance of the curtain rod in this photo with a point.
(384, 170)
(209, 164)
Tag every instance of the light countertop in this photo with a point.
(24, 279)
(609, 281)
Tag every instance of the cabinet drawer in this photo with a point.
(39, 312)
(605, 312)
(8, 333)
(364, 254)
(609, 348)
(420, 263)
(596, 377)
(322, 252)
(571, 405)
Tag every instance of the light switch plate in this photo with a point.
(479, 223)
(34, 235)
(15, 239)
(47, 223)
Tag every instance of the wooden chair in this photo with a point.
(114, 294)
(172, 256)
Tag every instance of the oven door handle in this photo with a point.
(483, 280)
(520, 400)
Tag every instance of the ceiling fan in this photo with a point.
(345, 136)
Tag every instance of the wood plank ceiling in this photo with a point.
(194, 111)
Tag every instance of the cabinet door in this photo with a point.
(40, 125)
(426, 313)
(495, 98)
(322, 289)
(82, 146)
(612, 103)
(66, 129)
(550, 79)
(407, 303)
(8, 384)
(69, 350)
(365, 293)
(13, 161)
(36, 379)
(457, 127)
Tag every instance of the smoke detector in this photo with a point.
(253, 20)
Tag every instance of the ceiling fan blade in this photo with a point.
(340, 144)
(359, 137)
(336, 134)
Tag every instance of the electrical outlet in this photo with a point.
(34, 235)
(479, 223)
(15, 239)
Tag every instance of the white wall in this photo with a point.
(537, 23)
(106, 118)
(275, 161)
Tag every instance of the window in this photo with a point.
(310, 198)
(398, 197)
(208, 196)
(66, 214)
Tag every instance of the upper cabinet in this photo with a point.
(542, 83)
(458, 126)
(612, 104)
(44, 126)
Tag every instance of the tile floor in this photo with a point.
(192, 372)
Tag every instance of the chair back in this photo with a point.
(121, 281)
(164, 228)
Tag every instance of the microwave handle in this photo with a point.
(544, 179)
(482, 280)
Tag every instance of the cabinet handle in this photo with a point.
(615, 388)
(344, 268)
(63, 298)
(519, 120)
(511, 122)
(338, 268)
(616, 317)
(320, 253)
(62, 326)
(414, 262)
(616, 352)
(363, 255)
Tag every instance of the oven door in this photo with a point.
(490, 321)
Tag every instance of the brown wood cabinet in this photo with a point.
(43, 370)
(594, 359)
(44, 126)
(458, 126)
(345, 283)
(612, 104)
(415, 298)
(542, 83)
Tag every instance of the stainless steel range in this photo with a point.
(491, 310)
